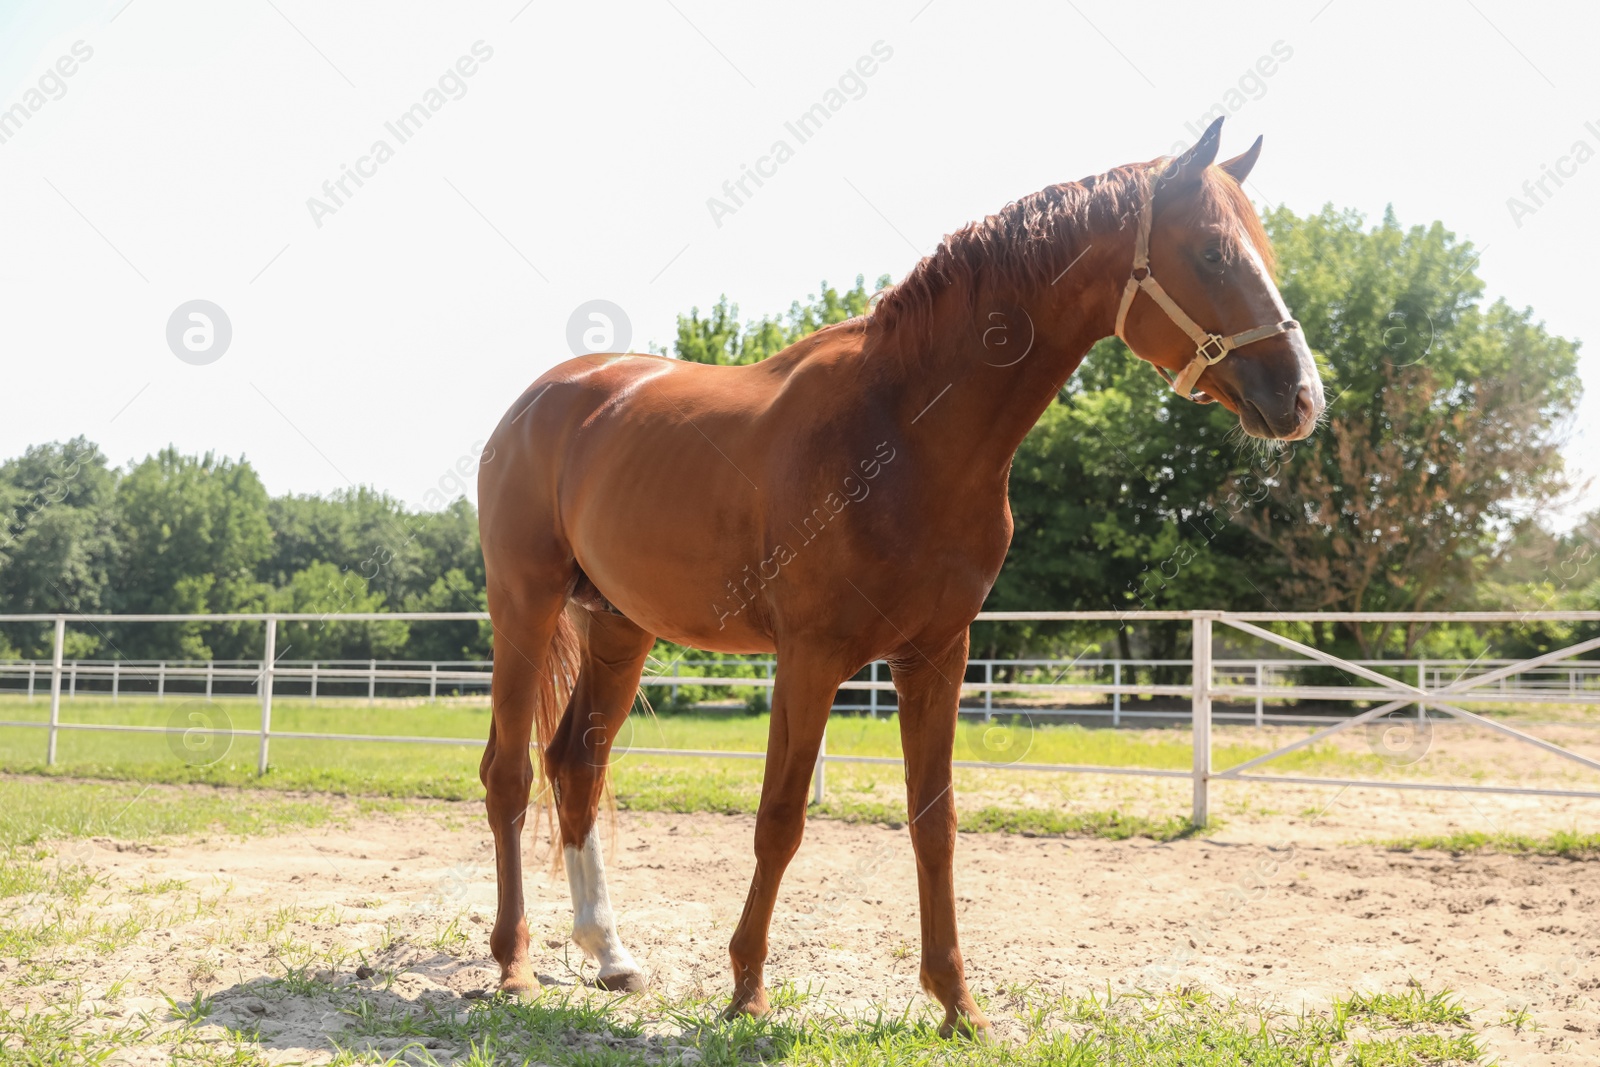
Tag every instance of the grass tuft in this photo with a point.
(1569, 844)
(1411, 1008)
(1416, 1050)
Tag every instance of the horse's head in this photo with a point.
(1201, 304)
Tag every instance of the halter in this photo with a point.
(1210, 348)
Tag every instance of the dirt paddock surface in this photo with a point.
(1273, 910)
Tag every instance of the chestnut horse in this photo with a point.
(841, 502)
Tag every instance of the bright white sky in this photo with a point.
(382, 346)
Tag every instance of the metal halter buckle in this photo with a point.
(1212, 342)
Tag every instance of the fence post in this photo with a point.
(1422, 683)
(268, 656)
(1259, 709)
(55, 686)
(433, 681)
(817, 775)
(161, 680)
(988, 690)
(1116, 698)
(872, 697)
(1201, 680)
(116, 671)
(372, 680)
(72, 685)
(210, 673)
(31, 670)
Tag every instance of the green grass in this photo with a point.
(65, 1038)
(450, 772)
(571, 1028)
(1570, 844)
(858, 793)
(1411, 1008)
(1416, 1050)
(51, 913)
(34, 809)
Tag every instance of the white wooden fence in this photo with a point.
(1443, 686)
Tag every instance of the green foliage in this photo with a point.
(193, 531)
(1443, 434)
(399, 553)
(1444, 421)
(1110, 500)
(58, 535)
(196, 534)
(718, 338)
(323, 589)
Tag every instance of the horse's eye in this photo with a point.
(1213, 255)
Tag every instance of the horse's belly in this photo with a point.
(676, 590)
(671, 544)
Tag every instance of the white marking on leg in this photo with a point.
(594, 927)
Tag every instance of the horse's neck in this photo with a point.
(990, 367)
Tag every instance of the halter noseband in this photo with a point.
(1210, 348)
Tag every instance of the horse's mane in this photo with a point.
(1032, 240)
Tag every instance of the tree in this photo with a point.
(324, 589)
(374, 536)
(1443, 431)
(452, 591)
(58, 540)
(720, 339)
(194, 529)
(1109, 500)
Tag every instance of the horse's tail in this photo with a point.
(559, 676)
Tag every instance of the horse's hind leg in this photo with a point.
(527, 620)
(613, 659)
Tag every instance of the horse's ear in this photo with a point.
(1240, 165)
(1188, 167)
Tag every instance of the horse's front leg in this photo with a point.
(930, 689)
(801, 697)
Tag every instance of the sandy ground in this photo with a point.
(1276, 908)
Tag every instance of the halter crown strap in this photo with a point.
(1210, 348)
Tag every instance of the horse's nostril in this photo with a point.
(1304, 406)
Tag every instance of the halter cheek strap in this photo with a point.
(1210, 348)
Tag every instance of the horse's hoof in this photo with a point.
(755, 1007)
(622, 982)
(522, 987)
(977, 1029)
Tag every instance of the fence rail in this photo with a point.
(1554, 677)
